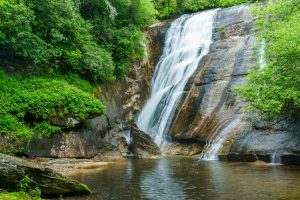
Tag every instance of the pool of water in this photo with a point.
(184, 178)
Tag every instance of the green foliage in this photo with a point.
(169, 8)
(275, 89)
(24, 184)
(35, 193)
(128, 43)
(25, 191)
(86, 37)
(16, 31)
(16, 129)
(36, 100)
(116, 27)
(142, 12)
(45, 128)
(166, 8)
(18, 196)
(53, 33)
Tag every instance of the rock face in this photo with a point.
(265, 140)
(50, 183)
(78, 143)
(208, 105)
(209, 111)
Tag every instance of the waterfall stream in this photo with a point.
(275, 158)
(187, 41)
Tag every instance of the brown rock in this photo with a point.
(143, 144)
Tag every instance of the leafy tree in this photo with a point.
(142, 12)
(166, 8)
(275, 89)
(169, 8)
(16, 33)
(53, 33)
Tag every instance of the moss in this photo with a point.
(17, 196)
(221, 29)
(79, 188)
(82, 186)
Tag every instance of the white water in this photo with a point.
(216, 141)
(128, 137)
(262, 62)
(275, 158)
(187, 41)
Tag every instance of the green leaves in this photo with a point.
(170, 8)
(275, 90)
(27, 104)
(53, 33)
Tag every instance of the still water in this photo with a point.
(185, 178)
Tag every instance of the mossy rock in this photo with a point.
(51, 183)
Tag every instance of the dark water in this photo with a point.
(182, 178)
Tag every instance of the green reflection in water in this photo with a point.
(184, 178)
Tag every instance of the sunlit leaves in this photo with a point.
(275, 90)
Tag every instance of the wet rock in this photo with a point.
(143, 144)
(239, 158)
(123, 147)
(266, 142)
(189, 149)
(50, 183)
(291, 159)
(209, 106)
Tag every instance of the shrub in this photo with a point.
(27, 104)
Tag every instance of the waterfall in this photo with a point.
(215, 143)
(187, 41)
(128, 137)
(275, 158)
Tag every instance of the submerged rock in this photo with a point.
(51, 184)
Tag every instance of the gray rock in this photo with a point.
(80, 143)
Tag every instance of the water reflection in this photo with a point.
(159, 183)
(181, 178)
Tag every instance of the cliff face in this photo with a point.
(122, 98)
(208, 101)
(210, 112)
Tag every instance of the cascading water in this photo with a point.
(211, 150)
(275, 158)
(187, 41)
(216, 140)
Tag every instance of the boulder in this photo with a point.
(76, 143)
(51, 183)
(143, 144)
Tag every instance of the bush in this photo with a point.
(275, 89)
(29, 103)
